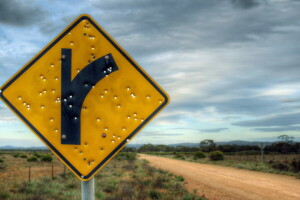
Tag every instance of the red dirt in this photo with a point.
(218, 182)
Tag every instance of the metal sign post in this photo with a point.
(88, 189)
(262, 147)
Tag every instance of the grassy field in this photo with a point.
(249, 162)
(125, 177)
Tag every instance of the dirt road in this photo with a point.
(226, 183)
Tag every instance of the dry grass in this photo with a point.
(123, 178)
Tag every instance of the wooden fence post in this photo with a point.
(29, 174)
(52, 171)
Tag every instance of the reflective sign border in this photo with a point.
(52, 148)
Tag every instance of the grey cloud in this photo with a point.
(20, 13)
(214, 130)
(169, 25)
(277, 129)
(51, 26)
(277, 120)
(246, 4)
(250, 106)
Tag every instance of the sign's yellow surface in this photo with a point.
(114, 110)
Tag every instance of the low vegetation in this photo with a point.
(46, 158)
(216, 155)
(125, 177)
(32, 159)
(199, 155)
(38, 155)
(23, 156)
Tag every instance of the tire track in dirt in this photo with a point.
(227, 183)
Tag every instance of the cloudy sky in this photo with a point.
(231, 67)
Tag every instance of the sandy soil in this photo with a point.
(226, 183)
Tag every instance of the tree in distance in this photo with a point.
(207, 145)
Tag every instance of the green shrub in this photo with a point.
(1, 160)
(126, 156)
(32, 159)
(179, 178)
(131, 156)
(46, 158)
(216, 155)
(280, 166)
(199, 154)
(16, 155)
(178, 156)
(23, 156)
(37, 155)
(296, 165)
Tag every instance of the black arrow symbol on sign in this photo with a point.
(73, 92)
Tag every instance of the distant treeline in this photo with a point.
(277, 147)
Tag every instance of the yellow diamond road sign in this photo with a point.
(84, 97)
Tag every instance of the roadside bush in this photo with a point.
(216, 155)
(296, 165)
(199, 154)
(126, 156)
(178, 156)
(131, 156)
(23, 156)
(280, 166)
(32, 159)
(46, 158)
(179, 178)
(37, 155)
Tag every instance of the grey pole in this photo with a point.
(88, 189)
(262, 146)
